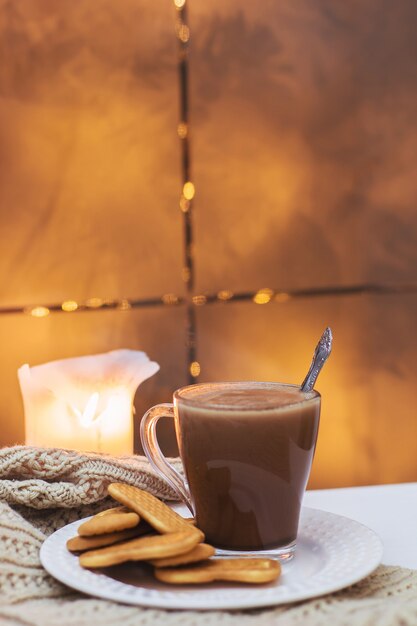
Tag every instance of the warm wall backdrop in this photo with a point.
(304, 159)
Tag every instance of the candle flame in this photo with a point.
(89, 416)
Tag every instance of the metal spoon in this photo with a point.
(321, 354)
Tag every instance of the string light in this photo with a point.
(69, 306)
(39, 311)
(263, 296)
(188, 191)
(170, 298)
(184, 205)
(124, 305)
(182, 130)
(195, 369)
(225, 294)
(94, 303)
(183, 33)
(199, 300)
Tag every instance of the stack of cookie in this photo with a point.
(145, 529)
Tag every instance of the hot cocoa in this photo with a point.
(247, 450)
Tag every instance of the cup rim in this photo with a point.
(312, 395)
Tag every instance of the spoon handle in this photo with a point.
(321, 354)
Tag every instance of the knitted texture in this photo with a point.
(44, 478)
(30, 597)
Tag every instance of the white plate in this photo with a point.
(333, 552)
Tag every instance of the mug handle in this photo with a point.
(154, 453)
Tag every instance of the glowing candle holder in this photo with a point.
(84, 403)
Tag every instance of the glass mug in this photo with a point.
(247, 450)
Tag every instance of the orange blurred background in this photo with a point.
(304, 158)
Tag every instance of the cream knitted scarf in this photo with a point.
(42, 490)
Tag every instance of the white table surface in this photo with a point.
(390, 510)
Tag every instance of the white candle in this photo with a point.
(84, 403)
